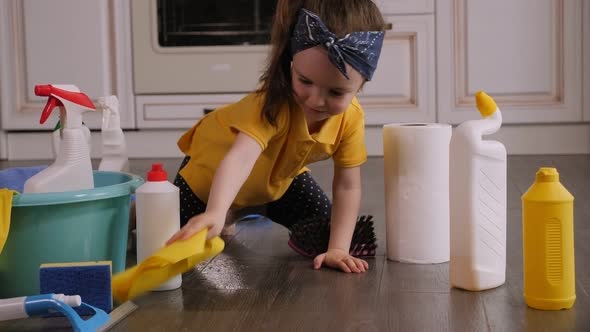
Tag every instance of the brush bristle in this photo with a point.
(310, 237)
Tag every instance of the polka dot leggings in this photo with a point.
(304, 199)
(190, 204)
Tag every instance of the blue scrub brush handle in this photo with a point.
(92, 324)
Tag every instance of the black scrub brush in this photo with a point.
(309, 237)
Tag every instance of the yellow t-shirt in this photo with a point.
(286, 148)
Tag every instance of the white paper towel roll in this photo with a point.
(416, 163)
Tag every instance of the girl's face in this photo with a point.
(320, 88)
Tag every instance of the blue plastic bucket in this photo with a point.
(74, 226)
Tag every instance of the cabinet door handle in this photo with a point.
(208, 110)
(388, 26)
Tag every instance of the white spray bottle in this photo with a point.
(478, 202)
(72, 169)
(114, 148)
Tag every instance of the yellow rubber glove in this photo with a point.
(164, 264)
(5, 214)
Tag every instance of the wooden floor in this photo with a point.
(259, 284)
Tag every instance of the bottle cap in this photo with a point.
(547, 174)
(157, 173)
(485, 104)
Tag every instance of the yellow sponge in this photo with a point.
(166, 263)
(5, 214)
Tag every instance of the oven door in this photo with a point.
(205, 46)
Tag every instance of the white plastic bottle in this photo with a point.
(72, 169)
(158, 217)
(114, 148)
(478, 202)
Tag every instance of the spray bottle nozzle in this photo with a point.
(58, 94)
(43, 90)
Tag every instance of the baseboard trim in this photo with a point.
(518, 139)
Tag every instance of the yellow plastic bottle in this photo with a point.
(548, 243)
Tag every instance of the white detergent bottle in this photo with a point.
(158, 217)
(114, 147)
(72, 169)
(478, 202)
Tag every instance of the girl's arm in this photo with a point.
(346, 191)
(229, 177)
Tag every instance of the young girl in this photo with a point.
(254, 152)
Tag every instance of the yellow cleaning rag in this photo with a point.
(166, 263)
(5, 209)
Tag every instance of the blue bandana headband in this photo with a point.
(359, 49)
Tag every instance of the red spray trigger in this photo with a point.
(51, 103)
(47, 90)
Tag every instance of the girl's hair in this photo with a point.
(340, 16)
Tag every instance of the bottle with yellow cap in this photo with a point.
(548, 243)
(478, 201)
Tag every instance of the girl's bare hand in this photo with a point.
(340, 259)
(214, 222)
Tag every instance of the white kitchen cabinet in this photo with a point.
(403, 87)
(527, 54)
(85, 43)
(406, 6)
(530, 55)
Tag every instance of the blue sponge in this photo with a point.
(90, 280)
